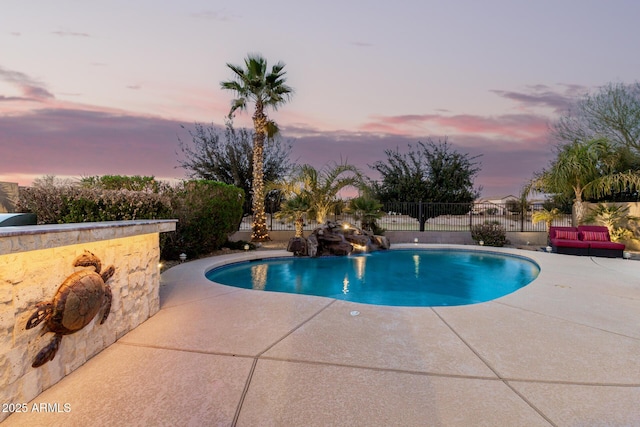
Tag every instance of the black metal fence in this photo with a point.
(432, 217)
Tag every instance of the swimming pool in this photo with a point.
(420, 277)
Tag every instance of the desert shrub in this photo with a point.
(491, 234)
(123, 182)
(69, 204)
(207, 211)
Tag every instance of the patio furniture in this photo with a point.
(589, 240)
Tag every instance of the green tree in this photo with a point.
(584, 169)
(226, 156)
(431, 173)
(266, 90)
(612, 112)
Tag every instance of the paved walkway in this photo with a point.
(563, 351)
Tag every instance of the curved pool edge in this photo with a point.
(191, 276)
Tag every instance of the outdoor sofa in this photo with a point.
(589, 240)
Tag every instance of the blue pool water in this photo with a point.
(421, 277)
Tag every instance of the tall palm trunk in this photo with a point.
(578, 211)
(299, 226)
(260, 232)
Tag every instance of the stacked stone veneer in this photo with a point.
(35, 260)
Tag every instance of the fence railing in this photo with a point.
(430, 217)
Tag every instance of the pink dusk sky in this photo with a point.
(103, 87)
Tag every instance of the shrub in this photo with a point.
(68, 204)
(207, 211)
(146, 184)
(491, 234)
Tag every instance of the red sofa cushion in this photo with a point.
(564, 243)
(607, 245)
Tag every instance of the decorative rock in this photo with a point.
(335, 239)
(312, 246)
(297, 245)
(340, 248)
(382, 242)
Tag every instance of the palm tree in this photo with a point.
(295, 208)
(586, 169)
(295, 204)
(615, 218)
(264, 89)
(366, 210)
(548, 216)
(323, 187)
(315, 193)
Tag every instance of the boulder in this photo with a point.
(297, 245)
(312, 245)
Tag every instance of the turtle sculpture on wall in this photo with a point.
(75, 304)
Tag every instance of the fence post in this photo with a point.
(420, 221)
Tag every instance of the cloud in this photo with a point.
(78, 142)
(134, 87)
(517, 126)
(216, 15)
(31, 89)
(67, 139)
(70, 34)
(544, 96)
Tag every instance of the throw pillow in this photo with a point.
(595, 236)
(566, 234)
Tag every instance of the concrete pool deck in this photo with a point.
(562, 351)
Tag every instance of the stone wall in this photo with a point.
(34, 274)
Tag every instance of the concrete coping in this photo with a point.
(35, 237)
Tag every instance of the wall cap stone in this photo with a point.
(35, 237)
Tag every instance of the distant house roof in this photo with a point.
(497, 199)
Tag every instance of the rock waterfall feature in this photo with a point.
(332, 238)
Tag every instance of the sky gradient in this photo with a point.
(103, 87)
